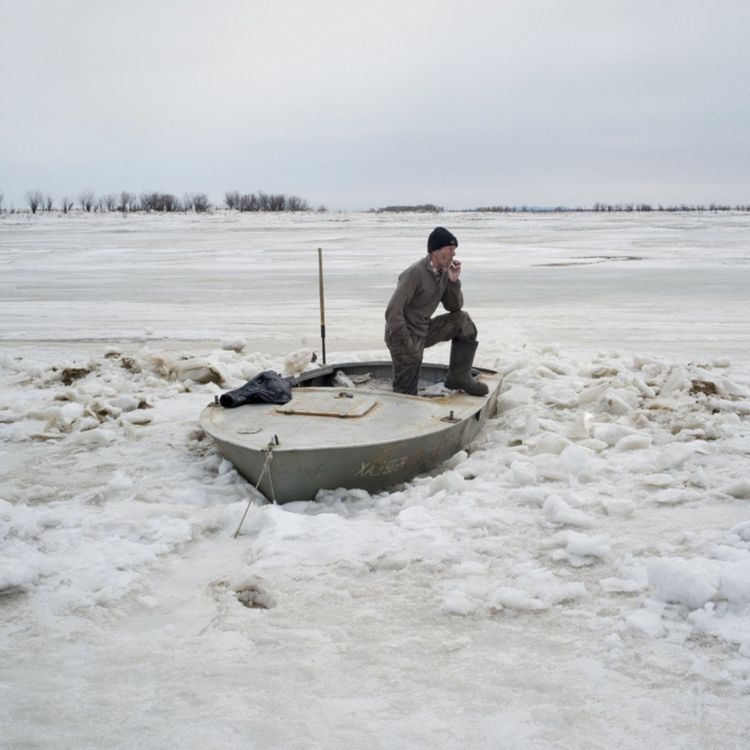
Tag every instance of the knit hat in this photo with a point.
(440, 237)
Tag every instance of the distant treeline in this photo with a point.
(597, 207)
(614, 208)
(127, 202)
(263, 202)
(425, 208)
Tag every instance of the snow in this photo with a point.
(579, 577)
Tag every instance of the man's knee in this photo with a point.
(448, 326)
(467, 330)
(465, 325)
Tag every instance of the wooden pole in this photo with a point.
(322, 303)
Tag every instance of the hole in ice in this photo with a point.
(254, 597)
(588, 260)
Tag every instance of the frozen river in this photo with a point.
(658, 283)
(579, 578)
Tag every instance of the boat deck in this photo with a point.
(329, 418)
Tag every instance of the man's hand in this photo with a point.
(454, 270)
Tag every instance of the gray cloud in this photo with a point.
(360, 104)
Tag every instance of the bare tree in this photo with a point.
(48, 202)
(108, 201)
(1, 202)
(201, 204)
(247, 202)
(264, 201)
(169, 202)
(160, 202)
(86, 200)
(34, 198)
(149, 201)
(293, 203)
(66, 204)
(197, 202)
(232, 199)
(128, 202)
(276, 202)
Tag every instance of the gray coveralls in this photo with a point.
(409, 328)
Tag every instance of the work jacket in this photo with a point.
(418, 293)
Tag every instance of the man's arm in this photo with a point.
(394, 313)
(453, 298)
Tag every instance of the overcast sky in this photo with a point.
(356, 104)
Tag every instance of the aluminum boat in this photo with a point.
(345, 427)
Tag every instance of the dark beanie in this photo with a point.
(440, 237)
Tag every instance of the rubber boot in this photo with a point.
(459, 369)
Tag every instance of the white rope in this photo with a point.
(266, 466)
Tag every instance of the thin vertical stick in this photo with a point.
(322, 303)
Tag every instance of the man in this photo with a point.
(409, 329)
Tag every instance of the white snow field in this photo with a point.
(579, 578)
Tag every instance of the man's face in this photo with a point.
(442, 258)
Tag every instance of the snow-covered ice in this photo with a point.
(580, 577)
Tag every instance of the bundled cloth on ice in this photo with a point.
(267, 386)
